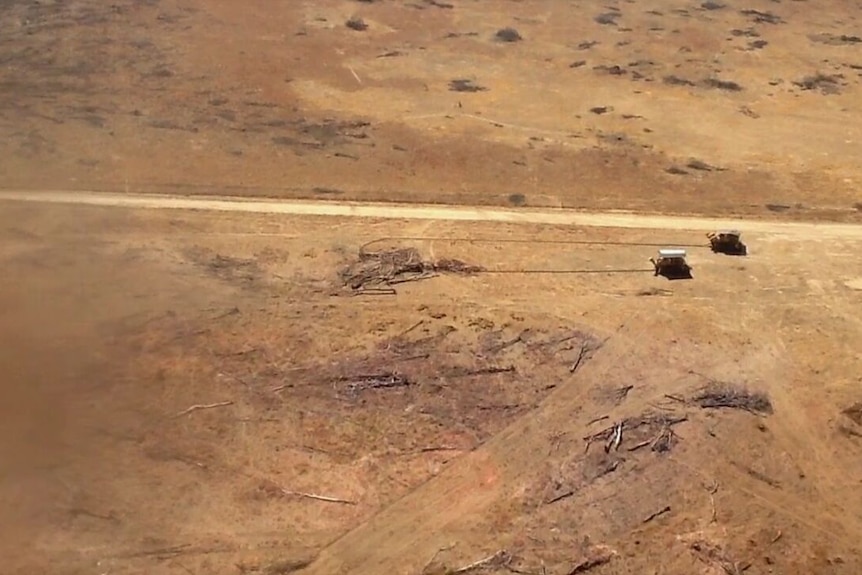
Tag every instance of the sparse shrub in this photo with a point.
(517, 199)
(607, 19)
(508, 35)
(722, 85)
(464, 85)
(677, 81)
(356, 23)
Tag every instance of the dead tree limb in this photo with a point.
(499, 558)
(582, 354)
(317, 497)
(200, 406)
(560, 497)
(658, 513)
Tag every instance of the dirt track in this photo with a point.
(451, 213)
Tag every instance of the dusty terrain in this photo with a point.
(468, 439)
(221, 387)
(731, 107)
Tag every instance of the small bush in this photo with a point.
(508, 35)
(356, 23)
(518, 200)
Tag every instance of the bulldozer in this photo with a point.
(727, 242)
(671, 264)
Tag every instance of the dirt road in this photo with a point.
(428, 212)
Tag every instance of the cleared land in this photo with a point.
(321, 386)
(173, 380)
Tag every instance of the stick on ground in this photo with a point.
(318, 497)
(200, 406)
(497, 558)
(658, 513)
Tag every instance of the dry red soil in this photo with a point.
(205, 391)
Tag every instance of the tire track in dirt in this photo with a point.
(807, 230)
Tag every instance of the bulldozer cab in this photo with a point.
(671, 263)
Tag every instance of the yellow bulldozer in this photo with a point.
(727, 242)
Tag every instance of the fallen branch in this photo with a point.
(710, 553)
(499, 558)
(560, 497)
(597, 419)
(623, 392)
(658, 513)
(582, 355)
(491, 370)
(317, 497)
(641, 444)
(600, 556)
(713, 489)
(434, 557)
(203, 406)
(439, 448)
(718, 395)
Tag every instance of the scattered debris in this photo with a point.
(713, 554)
(721, 395)
(825, 83)
(508, 35)
(200, 406)
(599, 110)
(835, 40)
(676, 171)
(386, 380)
(615, 439)
(778, 207)
(612, 435)
(381, 269)
(712, 5)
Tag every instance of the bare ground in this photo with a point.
(195, 390)
(178, 386)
